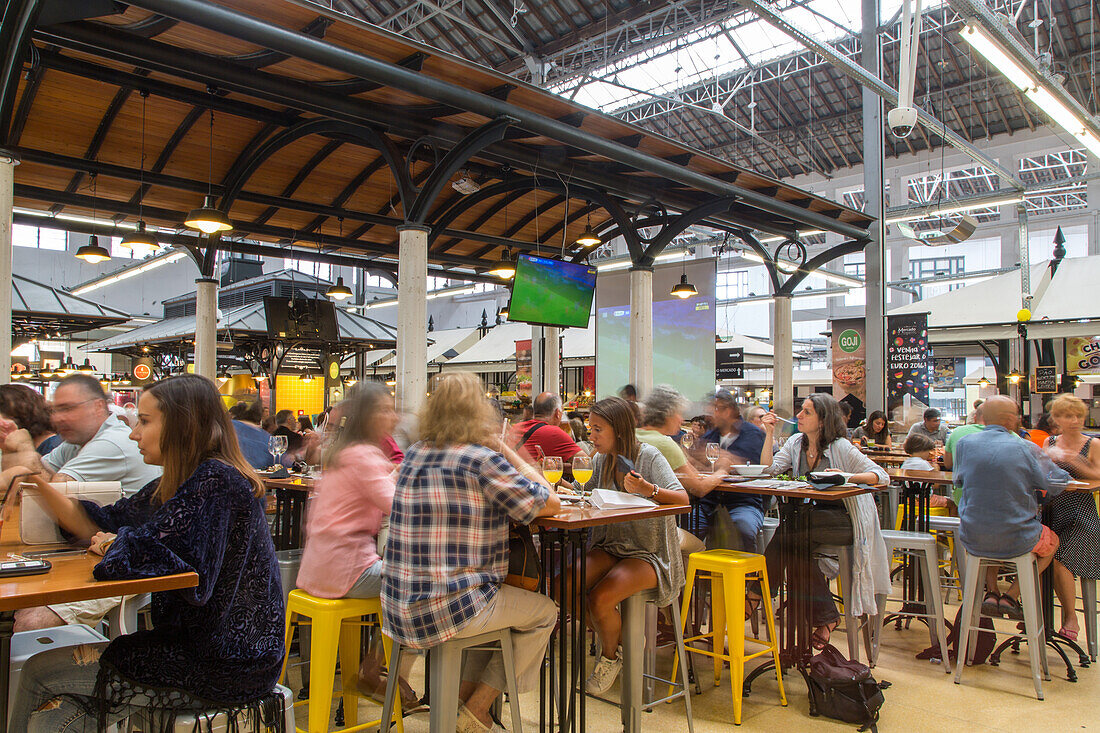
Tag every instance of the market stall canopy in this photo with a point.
(319, 133)
(238, 326)
(445, 345)
(494, 352)
(42, 311)
(1062, 305)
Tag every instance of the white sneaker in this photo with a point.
(604, 674)
(467, 723)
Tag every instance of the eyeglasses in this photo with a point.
(66, 409)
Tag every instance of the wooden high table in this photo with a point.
(291, 494)
(795, 627)
(70, 579)
(1054, 639)
(565, 536)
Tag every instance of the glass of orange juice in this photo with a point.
(582, 474)
(552, 469)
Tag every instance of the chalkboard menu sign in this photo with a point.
(1046, 379)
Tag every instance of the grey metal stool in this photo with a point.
(1088, 597)
(446, 672)
(950, 526)
(923, 546)
(974, 590)
(853, 625)
(640, 646)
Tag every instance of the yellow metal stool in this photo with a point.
(728, 571)
(336, 626)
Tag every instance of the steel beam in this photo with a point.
(878, 86)
(224, 20)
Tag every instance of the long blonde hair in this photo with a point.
(196, 428)
(457, 413)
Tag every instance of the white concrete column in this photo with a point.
(537, 362)
(412, 317)
(1092, 191)
(641, 331)
(206, 327)
(875, 252)
(783, 371)
(8, 161)
(551, 360)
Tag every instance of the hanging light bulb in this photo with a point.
(307, 377)
(86, 367)
(140, 240)
(339, 291)
(92, 252)
(983, 382)
(207, 219)
(503, 312)
(683, 289)
(588, 237)
(1015, 377)
(505, 268)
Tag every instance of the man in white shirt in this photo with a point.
(931, 427)
(97, 447)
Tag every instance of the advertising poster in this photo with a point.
(1083, 355)
(849, 354)
(908, 363)
(948, 373)
(523, 368)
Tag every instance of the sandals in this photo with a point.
(991, 605)
(818, 641)
(1068, 633)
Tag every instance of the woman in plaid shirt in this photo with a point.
(447, 553)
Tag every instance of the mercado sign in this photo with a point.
(908, 360)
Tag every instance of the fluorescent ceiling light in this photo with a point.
(974, 34)
(609, 266)
(1066, 118)
(129, 272)
(948, 207)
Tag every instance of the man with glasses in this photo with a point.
(97, 447)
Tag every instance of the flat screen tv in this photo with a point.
(301, 319)
(548, 292)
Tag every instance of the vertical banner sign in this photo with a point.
(523, 368)
(849, 354)
(908, 364)
(1083, 355)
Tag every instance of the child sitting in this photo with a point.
(922, 452)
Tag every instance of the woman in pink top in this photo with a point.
(349, 505)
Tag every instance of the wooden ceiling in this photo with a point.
(95, 88)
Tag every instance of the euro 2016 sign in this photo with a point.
(908, 360)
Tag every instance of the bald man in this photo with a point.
(1005, 479)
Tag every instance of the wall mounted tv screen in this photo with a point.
(306, 319)
(548, 292)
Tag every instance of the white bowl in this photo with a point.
(750, 470)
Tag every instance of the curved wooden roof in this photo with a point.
(296, 144)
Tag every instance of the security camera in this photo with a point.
(902, 120)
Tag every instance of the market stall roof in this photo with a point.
(445, 345)
(246, 322)
(324, 133)
(42, 311)
(493, 351)
(987, 310)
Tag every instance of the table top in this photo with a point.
(301, 483)
(936, 478)
(572, 516)
(1090, 485)
(841, 492)
(70, 578)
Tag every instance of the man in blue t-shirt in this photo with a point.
(741, 442)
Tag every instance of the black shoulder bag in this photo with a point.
(844, 690)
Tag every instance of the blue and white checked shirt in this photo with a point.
(447, 552)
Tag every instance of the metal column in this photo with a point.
(641, 330)
(874, 254)
(412, 317)
(206, 327)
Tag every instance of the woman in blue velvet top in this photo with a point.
(220, 644)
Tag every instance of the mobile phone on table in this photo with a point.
(23, 567)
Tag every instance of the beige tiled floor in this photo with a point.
(921, 698)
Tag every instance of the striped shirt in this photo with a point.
(447, 552)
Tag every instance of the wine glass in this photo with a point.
(277, 444)
(687, 440)
(582, 474)
(713, 453)
(552, 469)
